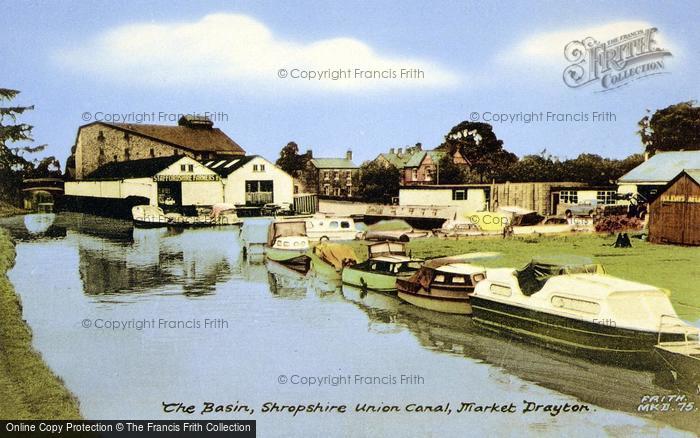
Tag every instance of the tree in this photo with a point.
(674, 128)
(450, 173)
(290, 161)
(13, 165)
(478, 144)
(377, 182)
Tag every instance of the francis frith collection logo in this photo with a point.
(616, 62)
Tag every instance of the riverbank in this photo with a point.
(7, 210)
(28, 388)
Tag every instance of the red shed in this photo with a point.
(674, 216)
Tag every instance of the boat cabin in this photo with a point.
(331, 228)
(591, 297)
(288, 234)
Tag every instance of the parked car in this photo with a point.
(586, 208)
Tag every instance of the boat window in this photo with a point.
(439, 278)
(345, 224)
(333, 224)
(575, 304)
(498, 289)
(477, 278)
(459, 279)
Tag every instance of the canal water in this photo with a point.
(132, 319)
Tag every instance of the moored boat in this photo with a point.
(442, 287)
(386, 262)
(148, 216)
(576, 308)
(286, 240)
(328, 259)
(681, 358)
(323, 228)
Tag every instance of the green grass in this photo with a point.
(28, 388)
(9, 210)
(674, 268)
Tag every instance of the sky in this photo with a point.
(248, 64)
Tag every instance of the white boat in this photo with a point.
(322, 228)
(680, 357)
(149, 216)
(574, 307)
(286, 240)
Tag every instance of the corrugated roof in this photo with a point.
(417, 158)
(145, 168)
(228, 166)
(201, 140)
(333, 163)
(662, 167)
(694, 173)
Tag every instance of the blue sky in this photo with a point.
(180, 57)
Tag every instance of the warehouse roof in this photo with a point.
(133, 169)
(195, 135)
(662, 167)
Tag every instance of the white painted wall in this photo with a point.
(624, 189)
(202, 193)
(476, 198)
(282, 182)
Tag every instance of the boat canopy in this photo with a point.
(335, 254)
(386, 248)
(535, 274)
(284, 229)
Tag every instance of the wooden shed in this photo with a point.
(674, 216)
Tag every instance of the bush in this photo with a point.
(617, 223)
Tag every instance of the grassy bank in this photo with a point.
(28, 388)
(675, 268)
(9, 210)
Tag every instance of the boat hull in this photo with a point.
(369, 280)
(283, 255)
(149, 224)
(685, 367)
(323, 269)
(595, 341)
(437, 304)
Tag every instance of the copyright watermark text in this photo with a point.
(155, 117)
(349, 74)
(154, 324)
(350, 379)
(543, 117)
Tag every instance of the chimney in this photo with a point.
(348, 155)
(309, 153)
(195, 122)
(419, 146)
(400, 151)
(391, 150)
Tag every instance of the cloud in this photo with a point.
(545, 50)
(239, 51)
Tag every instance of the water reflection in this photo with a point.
(162, 260)
(603, 385)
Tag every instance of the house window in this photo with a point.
(568, 197)
(152, 153)
(183, 167)
(337, 175)
(262, 167)
(101, 136)
(348, 174)
(414, 176)
(190, 167)
(606, 197)
(459, 195)
(255, 167)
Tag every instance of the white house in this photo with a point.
(253, 180)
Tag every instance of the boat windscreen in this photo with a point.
(386, 248)
(535, 274)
